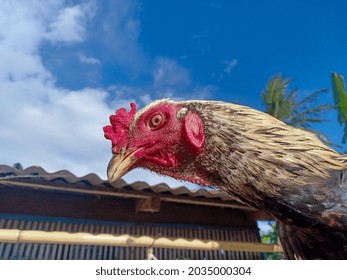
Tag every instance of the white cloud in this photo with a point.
(230, 65)
(41, 123)
(167, 72)
(69, 24)
(171, 80)
(87, 59)
(59, 128)
(215, 5)
(120, 29)
(122, 95)
(146, 99)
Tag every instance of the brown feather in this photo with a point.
(283, 170)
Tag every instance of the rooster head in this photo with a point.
(161, 137)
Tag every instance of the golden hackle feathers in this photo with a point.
(260, 149)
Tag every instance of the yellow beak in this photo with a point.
(120, 164)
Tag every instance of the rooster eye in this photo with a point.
(156, 121)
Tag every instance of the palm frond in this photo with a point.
(281, 102)
(292, 95)
(305, 122)
(311, 98)
(274, 97)
(340, 98)
(315, 111)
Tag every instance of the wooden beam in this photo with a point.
(26, 201)
(130, 194)
(149, 204)
(83, 238)
(254, 216)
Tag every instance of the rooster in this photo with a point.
(255, 158)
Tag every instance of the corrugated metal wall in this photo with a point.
(81, 252)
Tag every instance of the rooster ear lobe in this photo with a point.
(194, 130)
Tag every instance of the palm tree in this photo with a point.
(281, 102)
(340, 98)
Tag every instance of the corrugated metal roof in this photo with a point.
(63, 179)
(36, 178)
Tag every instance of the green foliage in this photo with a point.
(278, 102)
(282, 103)
(271, 237)
(340, 99)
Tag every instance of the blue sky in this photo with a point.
(67, 65)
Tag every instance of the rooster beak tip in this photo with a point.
(119, 165)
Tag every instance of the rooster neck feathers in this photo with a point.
(259, 159)
(252, 156)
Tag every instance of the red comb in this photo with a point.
(118, 131)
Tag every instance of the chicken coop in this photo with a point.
(60, 216)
